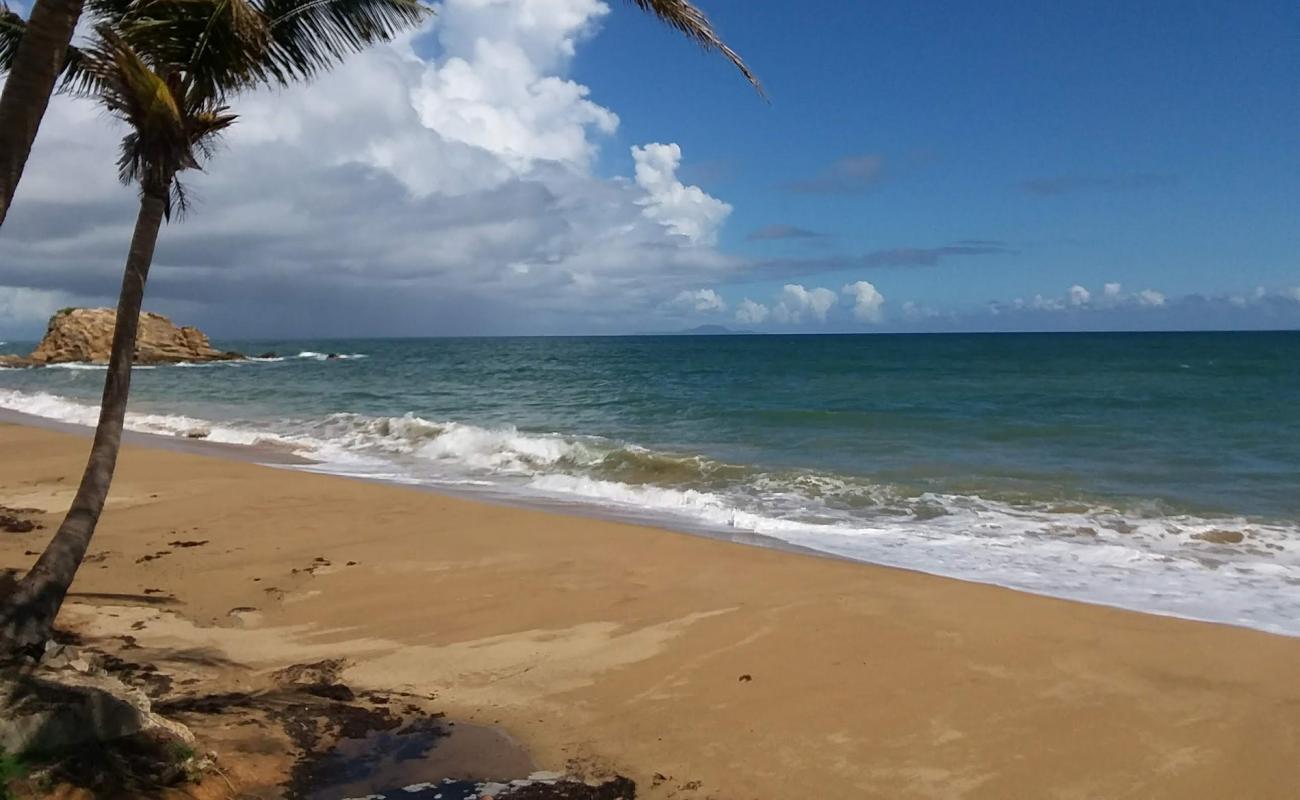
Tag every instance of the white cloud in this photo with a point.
(684, 210)
(795, 301)
(751, 313)
(1292, 293)
(1040, 303)
(915, 312)
(700, 300)
(1111, 290)
(868, 302)
(1079, 296)
(1150, 298)
(441, 184)
(21, 309)
(496, 85)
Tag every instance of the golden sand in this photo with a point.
(701, 668)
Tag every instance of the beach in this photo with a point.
(700, 668)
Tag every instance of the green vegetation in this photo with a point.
(11, 769)
(180, 752)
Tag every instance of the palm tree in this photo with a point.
(165, 68)
(166, 74)
(34, 60)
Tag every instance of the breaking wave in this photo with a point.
(1143, 556)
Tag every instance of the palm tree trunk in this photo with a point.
(27, 615)
(31, 81)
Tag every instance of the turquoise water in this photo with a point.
(1153, 471)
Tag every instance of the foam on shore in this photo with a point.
(1145, 557)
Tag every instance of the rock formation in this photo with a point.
(86, 335)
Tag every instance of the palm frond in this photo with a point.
(11, 33)
(173, 123)
(310, 36)
(686, 18)
(12, 28)
(219, 44)
(112, 11)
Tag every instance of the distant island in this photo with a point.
(703, 330)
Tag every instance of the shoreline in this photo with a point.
(278, 458)
(624, 648)
(585, 508)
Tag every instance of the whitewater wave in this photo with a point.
(314, 356)
(1229, 569)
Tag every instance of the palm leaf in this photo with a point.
(683, 16)
(310, 36)
(12, 28)
(11, 33)
(219, 44)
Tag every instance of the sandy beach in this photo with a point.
(700, 668)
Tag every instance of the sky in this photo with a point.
(573, 167)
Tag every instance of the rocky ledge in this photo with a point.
(86, 335)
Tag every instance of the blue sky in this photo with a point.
(1163, 138)
(571, 166)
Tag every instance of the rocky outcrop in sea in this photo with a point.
(85, 335)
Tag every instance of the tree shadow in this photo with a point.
(120, 598)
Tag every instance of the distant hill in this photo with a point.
(707, 330)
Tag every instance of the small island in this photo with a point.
(85, 335)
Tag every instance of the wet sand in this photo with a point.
(701, 668)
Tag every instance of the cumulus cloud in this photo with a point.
(795, 302)
(868, 302)
(684, 210)
(751, 313)
(1078, 299)
(700, 300)
(1150, 298)
(444, 184)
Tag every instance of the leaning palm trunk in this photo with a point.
(27, 615)
(26, 95)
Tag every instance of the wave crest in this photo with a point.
(1147, 556)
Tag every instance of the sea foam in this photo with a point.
(1228, 569)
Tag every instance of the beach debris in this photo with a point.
(17, 520)
(746, 678)
(183, 543)
(311, 674)
(537, 786)
(152, 556)
(199, 432)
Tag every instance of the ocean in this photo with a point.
(1151, 471)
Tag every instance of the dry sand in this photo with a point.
(703, 669)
